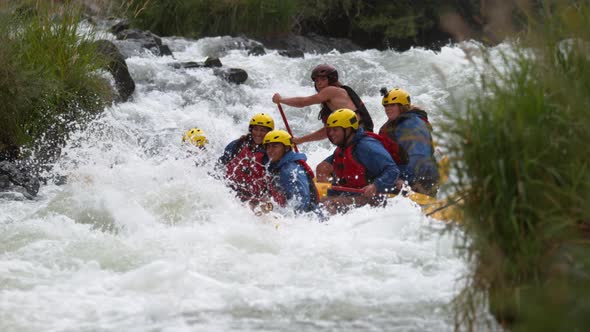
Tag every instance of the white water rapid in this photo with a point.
(140, 239)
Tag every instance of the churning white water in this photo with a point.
(141, 239)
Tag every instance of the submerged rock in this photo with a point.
(208, 63)
(19, 179)
(233, 75)
(292, 53)
(133, 40)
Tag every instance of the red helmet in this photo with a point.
(327, 71)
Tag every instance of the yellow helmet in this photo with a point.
(396, 96)
(278, 136)
(263, 119)
(344, 118)
(196, 137)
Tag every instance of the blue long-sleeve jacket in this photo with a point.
(413, 135)
(291, 180)
(379, 165)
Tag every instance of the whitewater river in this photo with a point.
(140, 239)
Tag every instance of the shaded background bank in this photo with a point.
(376, 24)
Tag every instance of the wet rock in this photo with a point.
(208, 63)
(117, 66)
(165, 50)
(220, 46)
(4, 182)
(211, 62)
(144, 39)
(292, 53)
(311, 43)
(9, 151)
(119, 26)
(187, 65)
(18, 178)
(233, 75)
(257, 50)
(12, 196)
(60, 180)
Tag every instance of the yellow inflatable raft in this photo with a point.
(444, 209)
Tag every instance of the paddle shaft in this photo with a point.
(346, 189)
(286, 124)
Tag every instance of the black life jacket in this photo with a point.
(365, 122)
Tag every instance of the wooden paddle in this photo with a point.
(287, 124)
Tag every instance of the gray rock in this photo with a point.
(233, 75)
(220, 46)
(144, 39)
(12, 196)
(119, 26)
(19, 177)
(209, 63)
(256, 50)
(117, 66)
(4, 182)
(292, 53)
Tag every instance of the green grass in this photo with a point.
(198, 18)
(49, 77)
(522, 158)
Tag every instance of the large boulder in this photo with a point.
(136, 39)
(117, 66)
(218, 47)
(16, 179)
(233, 75)
(119, 27)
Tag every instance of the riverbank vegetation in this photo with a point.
(210, 17)
(371, 24)
(524, 171)
(49, 79)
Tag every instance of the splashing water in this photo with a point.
(141, 239)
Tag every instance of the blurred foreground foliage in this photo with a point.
(49, 79)
(522, 166)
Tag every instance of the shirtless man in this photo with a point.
(332, 95)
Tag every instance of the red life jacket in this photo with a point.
(280, 197)
(399, 155)
(246, 173)
(348, 172)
